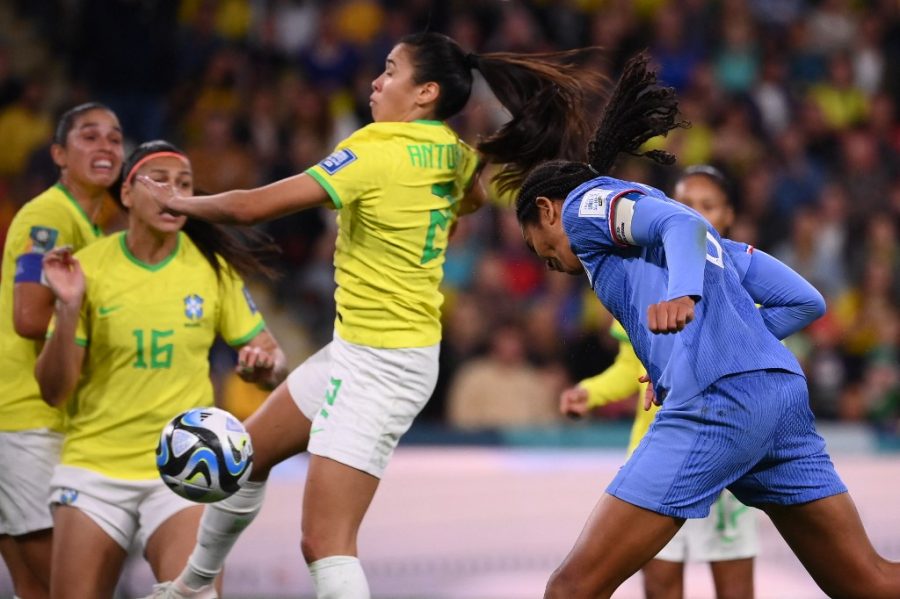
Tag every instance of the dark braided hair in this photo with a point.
(243, 249)
(638, 110)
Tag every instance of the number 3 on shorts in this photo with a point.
(331, 395)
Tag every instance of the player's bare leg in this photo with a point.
(828, 537)
(96, 571)
(334, 503)
(278, 430)
(617, 540)
(663, 579)
(733, 579)
(26, 583)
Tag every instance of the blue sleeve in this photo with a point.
(788, 301)
(681, 233)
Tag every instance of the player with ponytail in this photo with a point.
(398, 186)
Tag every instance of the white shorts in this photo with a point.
(362, 399)
(28, 458)
(728, 533)
(125, 509)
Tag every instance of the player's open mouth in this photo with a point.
(103, 164)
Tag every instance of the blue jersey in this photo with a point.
(640, 247)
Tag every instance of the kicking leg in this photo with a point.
(617, 540)
(278, 430)
(828, 537)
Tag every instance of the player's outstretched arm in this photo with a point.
(59, 363)
(243, 206)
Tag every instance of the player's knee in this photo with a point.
(565, 585)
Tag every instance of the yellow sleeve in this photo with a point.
(239, 318)
(469, 167)
(39, 228)
(618, 382)
(355, 169)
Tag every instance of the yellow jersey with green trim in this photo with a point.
(147, 330)
(51, 219)
(620, 381)
(396, 187)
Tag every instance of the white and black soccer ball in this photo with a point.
(204, 455)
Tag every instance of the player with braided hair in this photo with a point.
(735, 407)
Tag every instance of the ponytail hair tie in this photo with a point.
(472, 60)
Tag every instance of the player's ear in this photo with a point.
(546, 210)
(58, 154)
(125, 193)
(428, 93)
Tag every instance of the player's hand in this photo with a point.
(573, 402)
(255, 364)
(164, 193)
(64, 276)
(671, 316)
(649, 394)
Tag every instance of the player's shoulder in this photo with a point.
(50, 205)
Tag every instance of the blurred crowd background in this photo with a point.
(796, 101)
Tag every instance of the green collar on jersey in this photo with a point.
(78, 207)
(151, 267)
(428, 122)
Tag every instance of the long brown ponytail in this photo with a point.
(551, 99)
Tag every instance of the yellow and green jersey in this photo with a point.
(52, 219)
(396, 187)
(621, 380)
(147, 330)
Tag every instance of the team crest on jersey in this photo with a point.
(43, 239)
(593, 203)
(68, 496)
(250, 303)
(337, 161)
(193, 306)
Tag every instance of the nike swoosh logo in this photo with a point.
(103, 310)
(316, 430)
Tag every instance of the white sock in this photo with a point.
(339, 577)
(220, 527)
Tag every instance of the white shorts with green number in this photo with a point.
(728, 533)
(362, 399)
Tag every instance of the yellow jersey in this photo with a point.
(619, 381)
(51, 219)
(396, 187)
(147, 330)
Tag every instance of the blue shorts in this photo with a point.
(751, 432)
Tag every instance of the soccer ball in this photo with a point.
(204, 455)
